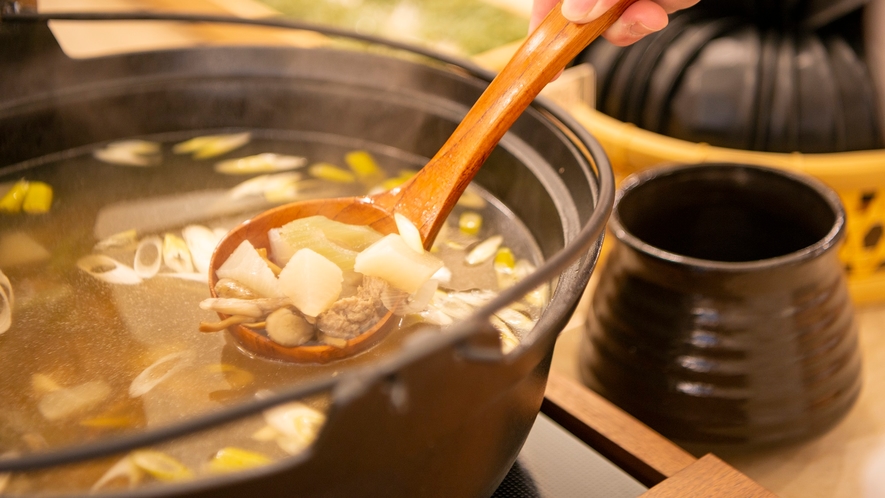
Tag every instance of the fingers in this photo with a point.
(581, 11)
(540, 8)
(641, 18)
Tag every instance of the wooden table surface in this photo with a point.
(848, 461)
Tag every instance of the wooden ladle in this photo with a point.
(429, 196)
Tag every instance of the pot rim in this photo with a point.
(823, 245)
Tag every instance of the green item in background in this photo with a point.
(465, 27)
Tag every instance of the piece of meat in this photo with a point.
(351, 316)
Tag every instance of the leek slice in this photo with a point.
(246, 266)
(259, 163)
(129, 153)
(65, 402)
(7, 300)
(331, 173)
(470, 222)
(297, 425)
(125, 470)
(161, 465)
(364, 167)
(232, 459)
(148, 257)
(38, 200)
(108, 269)
(484, 250)
(176, 255)
(12, 200)
(151, 376)
(209, 146)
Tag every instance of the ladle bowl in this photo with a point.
(357, 211)
(428, 198)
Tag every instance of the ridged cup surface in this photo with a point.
(722, 315)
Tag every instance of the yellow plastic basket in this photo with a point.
(858, 177)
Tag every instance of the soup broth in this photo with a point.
(88, 356)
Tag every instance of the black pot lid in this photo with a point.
(677, 57)
(858, 100)
(782, 125)
(715, 101)
(819, 114)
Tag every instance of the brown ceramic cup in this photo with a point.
(722, 315)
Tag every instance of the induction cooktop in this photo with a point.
(554, 463)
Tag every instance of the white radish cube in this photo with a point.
(247, 267)
(311, 281)
(392, 260)
(280, 250)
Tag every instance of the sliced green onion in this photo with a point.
(148, 257)
(470, 222)
(404, 176)
(65, 402)
(212, 145)
(259, 163)
(14, 198)
(232, 459)
(125, 470)
(504, 258)
(123, 240)
(472, 200)
(235, 376)
(159, 371)
(176, 255)
(332, 173)
(484, 250)
(364, 167)
(108, 269)
(161, 465)
(297, 425)
(38, 198)
(130, 153)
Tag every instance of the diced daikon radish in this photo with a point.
(247, 267)
(280, 250)
(393, 261)
(311, 281)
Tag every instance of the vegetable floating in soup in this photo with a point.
(103, 273)
(324, 281)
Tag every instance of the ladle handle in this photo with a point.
(541, 57)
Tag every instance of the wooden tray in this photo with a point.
(668, 470)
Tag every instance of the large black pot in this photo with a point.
(447, 415)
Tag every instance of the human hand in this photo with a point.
(641, 18)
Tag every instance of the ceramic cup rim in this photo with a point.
(824, 244)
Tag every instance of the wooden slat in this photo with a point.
(627, 442)
(708, 477)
